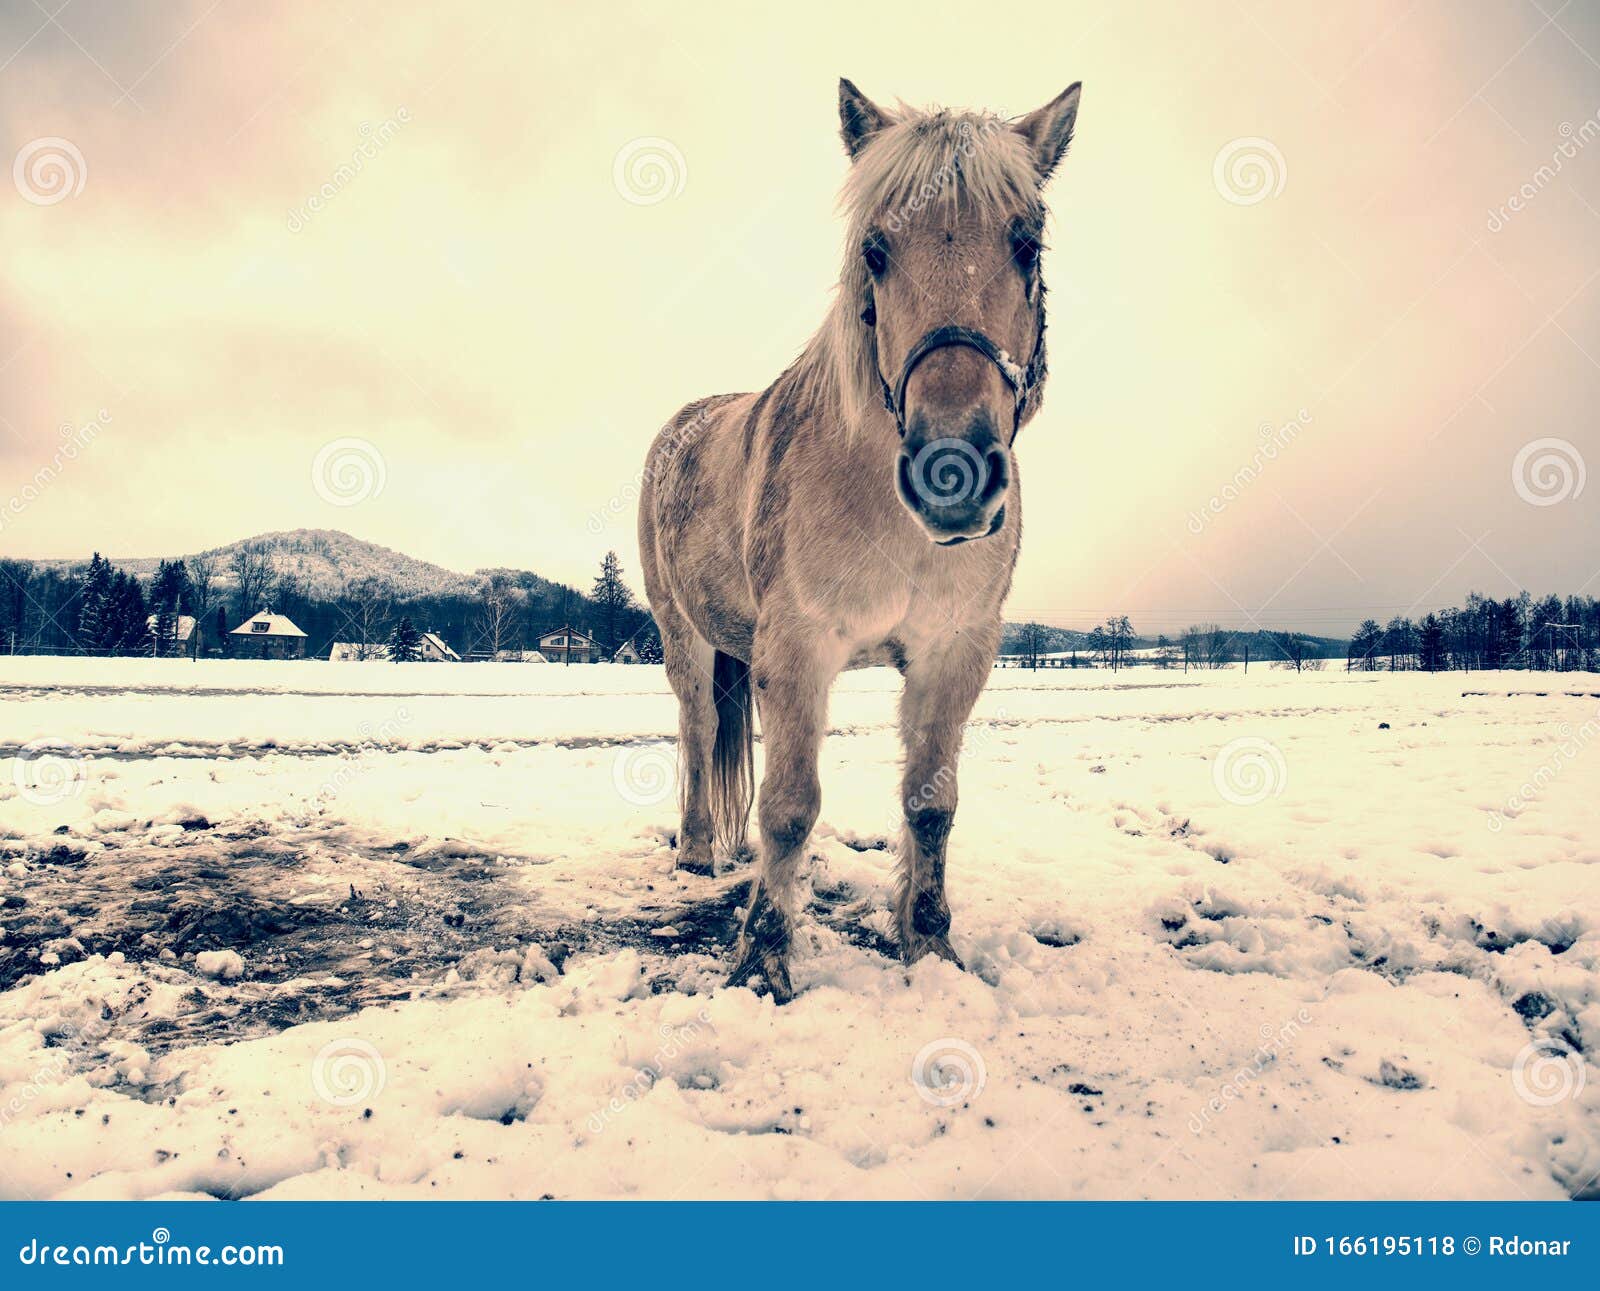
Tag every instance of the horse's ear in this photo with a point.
(859, 118)
(1049, 130)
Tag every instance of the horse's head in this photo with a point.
(946, 222)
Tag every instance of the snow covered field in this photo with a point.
(366, 930)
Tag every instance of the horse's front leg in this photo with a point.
(942, 684)
(791, 682)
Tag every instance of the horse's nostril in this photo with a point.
(999, 463)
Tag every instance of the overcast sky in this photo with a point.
(1293, 218)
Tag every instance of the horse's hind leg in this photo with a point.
(689, 662)
(941, 688)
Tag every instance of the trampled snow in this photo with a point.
(291, 930)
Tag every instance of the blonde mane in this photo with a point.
(922, 160)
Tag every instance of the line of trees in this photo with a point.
(100, 609)
(1550, 634)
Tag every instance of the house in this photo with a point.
(182, 632)
(266, 635)
(434, 650)
(568, 645)
(357, 652)
(519, 656)
(627, 652)
(431, 648)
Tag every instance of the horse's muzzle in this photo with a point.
(954, 485)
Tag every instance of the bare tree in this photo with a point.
(497, 614)
(1208, 645)
(253, 577)
(202, 588)
(368, 604)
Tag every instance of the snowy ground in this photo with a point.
(362, 930)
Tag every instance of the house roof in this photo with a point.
(437, 641)
(183, 626)
(576, 638)
(278, 625)
(345, 651)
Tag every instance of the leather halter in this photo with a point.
(1021, 381)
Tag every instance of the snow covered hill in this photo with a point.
(323, 561)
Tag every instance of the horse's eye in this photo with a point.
(1024, 249)
(876, 256)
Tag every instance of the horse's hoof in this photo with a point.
(763, 948)
(695, 865)
(773, 969)
(915, 948)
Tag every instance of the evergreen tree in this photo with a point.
(1364, 646)
(168, 593)
(614, 604)
(95, 605)
(126, 629)
(1399, 642)
(405, 642)
(1430, 644)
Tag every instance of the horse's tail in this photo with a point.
(733, 757)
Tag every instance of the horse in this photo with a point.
(863, 509)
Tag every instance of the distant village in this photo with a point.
(265, 635)
(318, 595)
